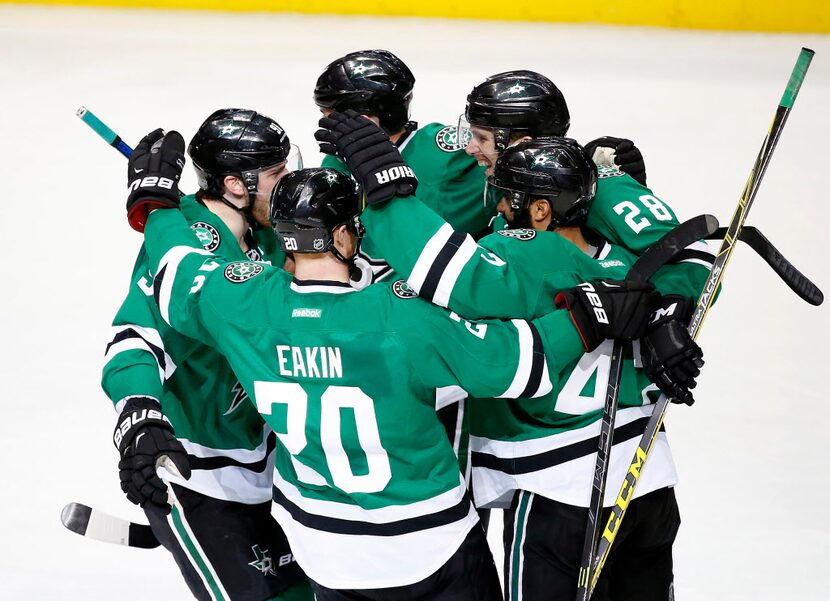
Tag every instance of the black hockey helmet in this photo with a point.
(556, 169)
(517, 102)
(372, 82)
(236, 142)
(308, 204)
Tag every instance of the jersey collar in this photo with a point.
(324, 286)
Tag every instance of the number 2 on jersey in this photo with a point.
(333, 399)
(632, 212)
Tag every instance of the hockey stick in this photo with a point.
(91, 523)
(704, 303)
(98, 126)
(97, 525)
(646, 266)
(797, 281)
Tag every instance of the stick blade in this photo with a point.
(75, 517)
(90, 523)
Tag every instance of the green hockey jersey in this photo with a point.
(229, 446)
(449, 182)
(367, 486)
(517, 273)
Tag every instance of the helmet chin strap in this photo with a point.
(356, 227)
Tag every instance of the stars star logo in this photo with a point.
(228, 129)
(263, 561)
(360, 69)
(516, 89)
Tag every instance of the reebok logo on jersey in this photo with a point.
(594, 300)
(305, 312)
(207, 235)
(612, 263)
(387, 175)
(242, 272)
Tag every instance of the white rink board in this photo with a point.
(751, 453)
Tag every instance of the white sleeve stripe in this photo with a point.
(520, 380)
(151, 335)
(131, 344)
(545, 387)
(428, 256)
(706, 264)
(450, 276)
(154, 341)
(170, 264)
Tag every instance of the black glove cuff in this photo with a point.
(138, 413)
(673, 306)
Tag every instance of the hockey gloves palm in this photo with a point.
(144, 436)
(671, 359)
(618, 152)
(370, 155)
(609, 309)
(153, 173)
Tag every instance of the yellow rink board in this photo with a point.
(736, 15)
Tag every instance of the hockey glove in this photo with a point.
(153, 173)
(370, 155)
(144, 436)
(618, 152)
(671, 359)
(609, 309)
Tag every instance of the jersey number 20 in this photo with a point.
(333, 399)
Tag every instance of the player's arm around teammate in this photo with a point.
(203, 295)
(221, 533)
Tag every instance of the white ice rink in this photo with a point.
(752, 453)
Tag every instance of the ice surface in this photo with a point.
(752, 452)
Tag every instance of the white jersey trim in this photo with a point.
(171, 260)
(570, 482)
(525, 369)
(381, 515)
(450, 275)
(428, 255)
(343, 561)
(148, 336)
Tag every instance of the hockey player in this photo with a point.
(366, 484)
(510, 107)
(515, 105)
(220, 532)
(538, 455)
(379, 85)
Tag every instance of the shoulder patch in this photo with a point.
(402, 290)
(447, 139)
(521, 234)
(207, 235)
(241, 272)
(608, 171)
